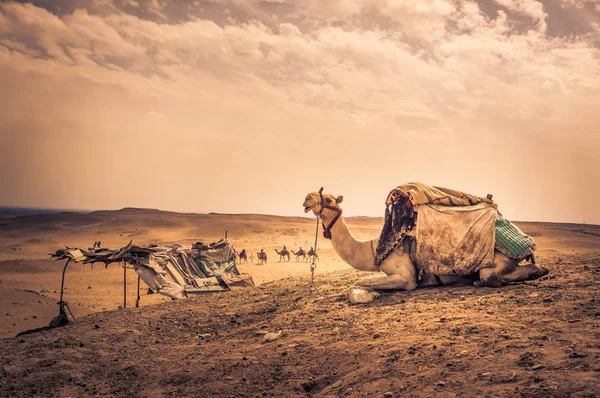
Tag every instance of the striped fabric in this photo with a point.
(512, 242)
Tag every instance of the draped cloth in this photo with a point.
(419, 194)
(403, 205)
(455, 233)
(455, 240)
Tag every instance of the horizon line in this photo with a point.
(88, 211)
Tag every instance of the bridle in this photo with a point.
(327, 229)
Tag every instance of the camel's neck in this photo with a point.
(359, 254)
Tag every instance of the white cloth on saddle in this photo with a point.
(420, 194)
(455, 240)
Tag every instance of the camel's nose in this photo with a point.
(307, 204)
(307, 200)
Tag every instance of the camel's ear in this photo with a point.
(339, 199)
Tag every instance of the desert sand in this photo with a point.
(540, 338)
(30, 280)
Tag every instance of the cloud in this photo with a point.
(531, 8)
(357, 70)
(443, 77)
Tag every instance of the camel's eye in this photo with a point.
(328, 200)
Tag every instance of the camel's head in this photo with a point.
(322, 203)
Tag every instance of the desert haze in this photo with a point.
(225, 114)
(539, 338)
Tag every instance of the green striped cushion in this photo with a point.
(512, 242)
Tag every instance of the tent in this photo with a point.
(175, 271)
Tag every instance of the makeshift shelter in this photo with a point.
(175, 271)
(454, 233)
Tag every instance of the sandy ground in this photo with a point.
(30, 281)
(536, 339)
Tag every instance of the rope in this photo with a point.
(313, 265)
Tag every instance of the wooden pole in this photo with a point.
(62, 283)
(124, 285)
(137, 301)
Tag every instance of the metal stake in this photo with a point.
(137, 301)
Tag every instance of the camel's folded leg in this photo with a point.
(428, 280)
(387, 282)
(525, 272)
(505, 273)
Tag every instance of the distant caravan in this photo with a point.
(300, 254)
(313, 253)
(261, 258)
(282, 254)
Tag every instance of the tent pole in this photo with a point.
(137, 301)
(62, 283)
(124, 285)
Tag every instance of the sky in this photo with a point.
(245, 106)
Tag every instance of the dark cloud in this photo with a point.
(566, 19)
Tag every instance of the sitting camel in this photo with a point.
(282, 254)
(313, 253)
(300, 254)
(400, 272)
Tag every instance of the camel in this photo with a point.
(300, 254)
(400, 272)
(283, 254)
(313, 253)
(243, 257)
(261, 258)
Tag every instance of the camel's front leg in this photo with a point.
(388, 282)
(525, 272)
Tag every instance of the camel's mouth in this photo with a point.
(309, 203)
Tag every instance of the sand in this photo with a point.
(30, 281)
(539, 338)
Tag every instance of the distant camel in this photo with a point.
(313, 253)
(300, 253)
(282, 254)
(243, 257)
(262, 258)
